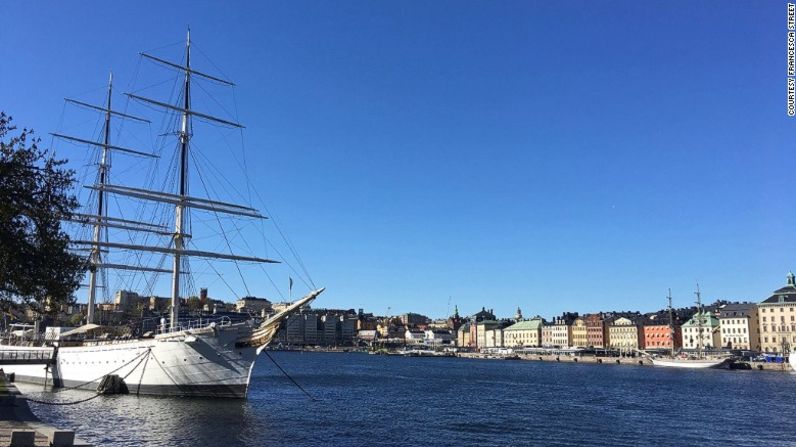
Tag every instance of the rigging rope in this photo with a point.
(288, 376)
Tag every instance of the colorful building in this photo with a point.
(524, 333)
(625, 334)
(579, 331)
(777, 318)
(596, 330)
(658, 333)
(547, 335)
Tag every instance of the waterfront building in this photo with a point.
(777, 318)
(485, 335)
(320, 327)
(463, 338)
(414, 336)
(579, 331)
(658, 332)
(625, 334)
(561, 331)
(292, 331)
(493, 338)
(413, 319)
(739, 326)
(596, 330)
(311, 327)
(254, 306)
(438, 337)
(710, 333)
(547, 335)
(365, 320)
(524, 333)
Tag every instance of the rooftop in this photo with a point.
(526, 325)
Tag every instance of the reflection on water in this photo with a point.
(365, 399)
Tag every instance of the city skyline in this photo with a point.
(421, 156)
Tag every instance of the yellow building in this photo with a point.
(580, 337)
(777, 319)
(523, 333)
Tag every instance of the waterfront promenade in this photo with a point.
(20, 427)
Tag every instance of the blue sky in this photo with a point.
(552, 155)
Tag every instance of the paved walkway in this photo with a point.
(15, 415)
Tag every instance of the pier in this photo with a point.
(20, 427)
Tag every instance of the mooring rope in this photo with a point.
(138, 357)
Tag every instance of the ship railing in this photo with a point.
(196, 324)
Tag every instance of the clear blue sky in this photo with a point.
(552, 155)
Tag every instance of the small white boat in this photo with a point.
(792, 360)
(692, 363)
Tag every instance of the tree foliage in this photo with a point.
(35, 194)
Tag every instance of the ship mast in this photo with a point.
(699, 320)
(671, 320)
(96, 255)
(181, 201)
(179, 209)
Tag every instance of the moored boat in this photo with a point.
(695, 361)
(692, 363)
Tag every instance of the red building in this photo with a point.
(596, 330)
(658, 333)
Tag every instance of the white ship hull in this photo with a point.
(189, 363)
(690, 363)
(792, 360)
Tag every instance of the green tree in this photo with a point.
(36, 267)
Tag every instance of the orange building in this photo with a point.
(658, 335)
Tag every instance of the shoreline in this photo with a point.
(587, 359)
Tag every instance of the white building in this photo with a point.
(438, 337)
(709, 332)
(739, 328)
(414, 337)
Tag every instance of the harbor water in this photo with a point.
(361, 399)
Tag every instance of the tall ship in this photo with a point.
(689, 361)
(209, 357)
